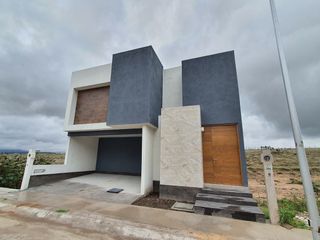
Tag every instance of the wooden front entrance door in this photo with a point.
(221, 155)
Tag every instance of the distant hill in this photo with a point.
(21, 151)
(13, 151)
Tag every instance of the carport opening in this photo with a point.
(99, 162)
(118, 164)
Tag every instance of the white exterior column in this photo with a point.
(146, 160)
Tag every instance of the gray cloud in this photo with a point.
(37, 132)
(41, 43)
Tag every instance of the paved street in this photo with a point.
(17, 228)
(35, 215)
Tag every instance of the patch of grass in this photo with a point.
(288, 209)
(61, 210)
(265, 211)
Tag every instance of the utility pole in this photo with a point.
(301, 154)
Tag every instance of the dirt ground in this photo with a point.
(153, 200)
(286, 173)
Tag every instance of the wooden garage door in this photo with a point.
(221, 158)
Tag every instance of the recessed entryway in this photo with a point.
(221, 155)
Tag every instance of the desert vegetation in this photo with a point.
(12, 166)
(288, 182)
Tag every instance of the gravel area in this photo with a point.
(153, 200)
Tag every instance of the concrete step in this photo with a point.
(249, 213)
(237, 191)
(245, 201)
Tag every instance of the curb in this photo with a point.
(102, 224)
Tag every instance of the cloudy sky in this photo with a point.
(42, 42)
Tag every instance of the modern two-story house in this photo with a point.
(179, 129)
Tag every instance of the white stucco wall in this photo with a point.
(82, 153)
(146, 160)
(91, 77)
(172, 97)
(85, 79)
(81, 156)
(181, 147)
(172, 87)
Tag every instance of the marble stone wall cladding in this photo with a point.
(181, 147)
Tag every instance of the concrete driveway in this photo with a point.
(94, 186)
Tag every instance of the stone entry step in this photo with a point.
(228, 201)
(249, 213)
(246, 201)
(228, 190)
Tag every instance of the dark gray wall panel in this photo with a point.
(155, 90)
(211, 82)
(119, 155)
(136, 88)
(178, 193)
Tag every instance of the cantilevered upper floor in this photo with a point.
(124, 94)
